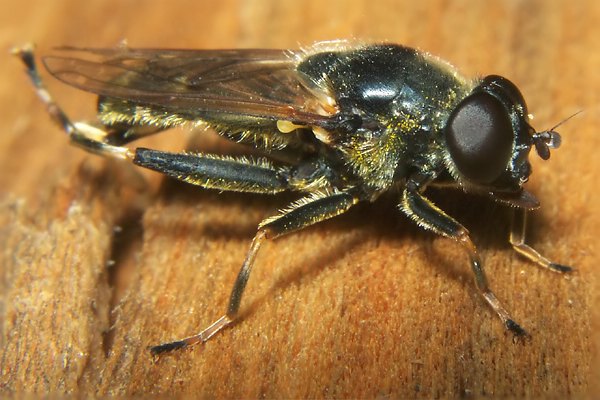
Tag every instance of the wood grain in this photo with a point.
(100, 260)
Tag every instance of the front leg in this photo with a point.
(429, 216)
(517, 240)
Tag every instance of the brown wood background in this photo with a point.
(364, 306)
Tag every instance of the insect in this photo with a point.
(354, 121)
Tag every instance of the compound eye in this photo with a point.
(479, 136)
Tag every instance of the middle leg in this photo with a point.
(308, 211)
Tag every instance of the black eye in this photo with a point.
(479, 136)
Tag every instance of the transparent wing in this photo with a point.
(255, 82)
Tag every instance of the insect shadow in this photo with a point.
(380, 221)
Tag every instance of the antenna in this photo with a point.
(549, 139)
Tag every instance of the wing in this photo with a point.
(253, 82)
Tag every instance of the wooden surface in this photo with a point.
(100, 260)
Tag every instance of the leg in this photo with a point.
(211, 171)
(240, 174)
(517, 240)
(84, 135)
(301, 214)
(223, 173)
(119, 135)
(428, 216)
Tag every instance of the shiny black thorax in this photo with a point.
(403, 97)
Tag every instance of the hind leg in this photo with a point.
(92, 137)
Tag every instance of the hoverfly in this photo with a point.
(359, 121)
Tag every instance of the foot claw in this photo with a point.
(520, 334)
(561, 268)
(167, 347)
